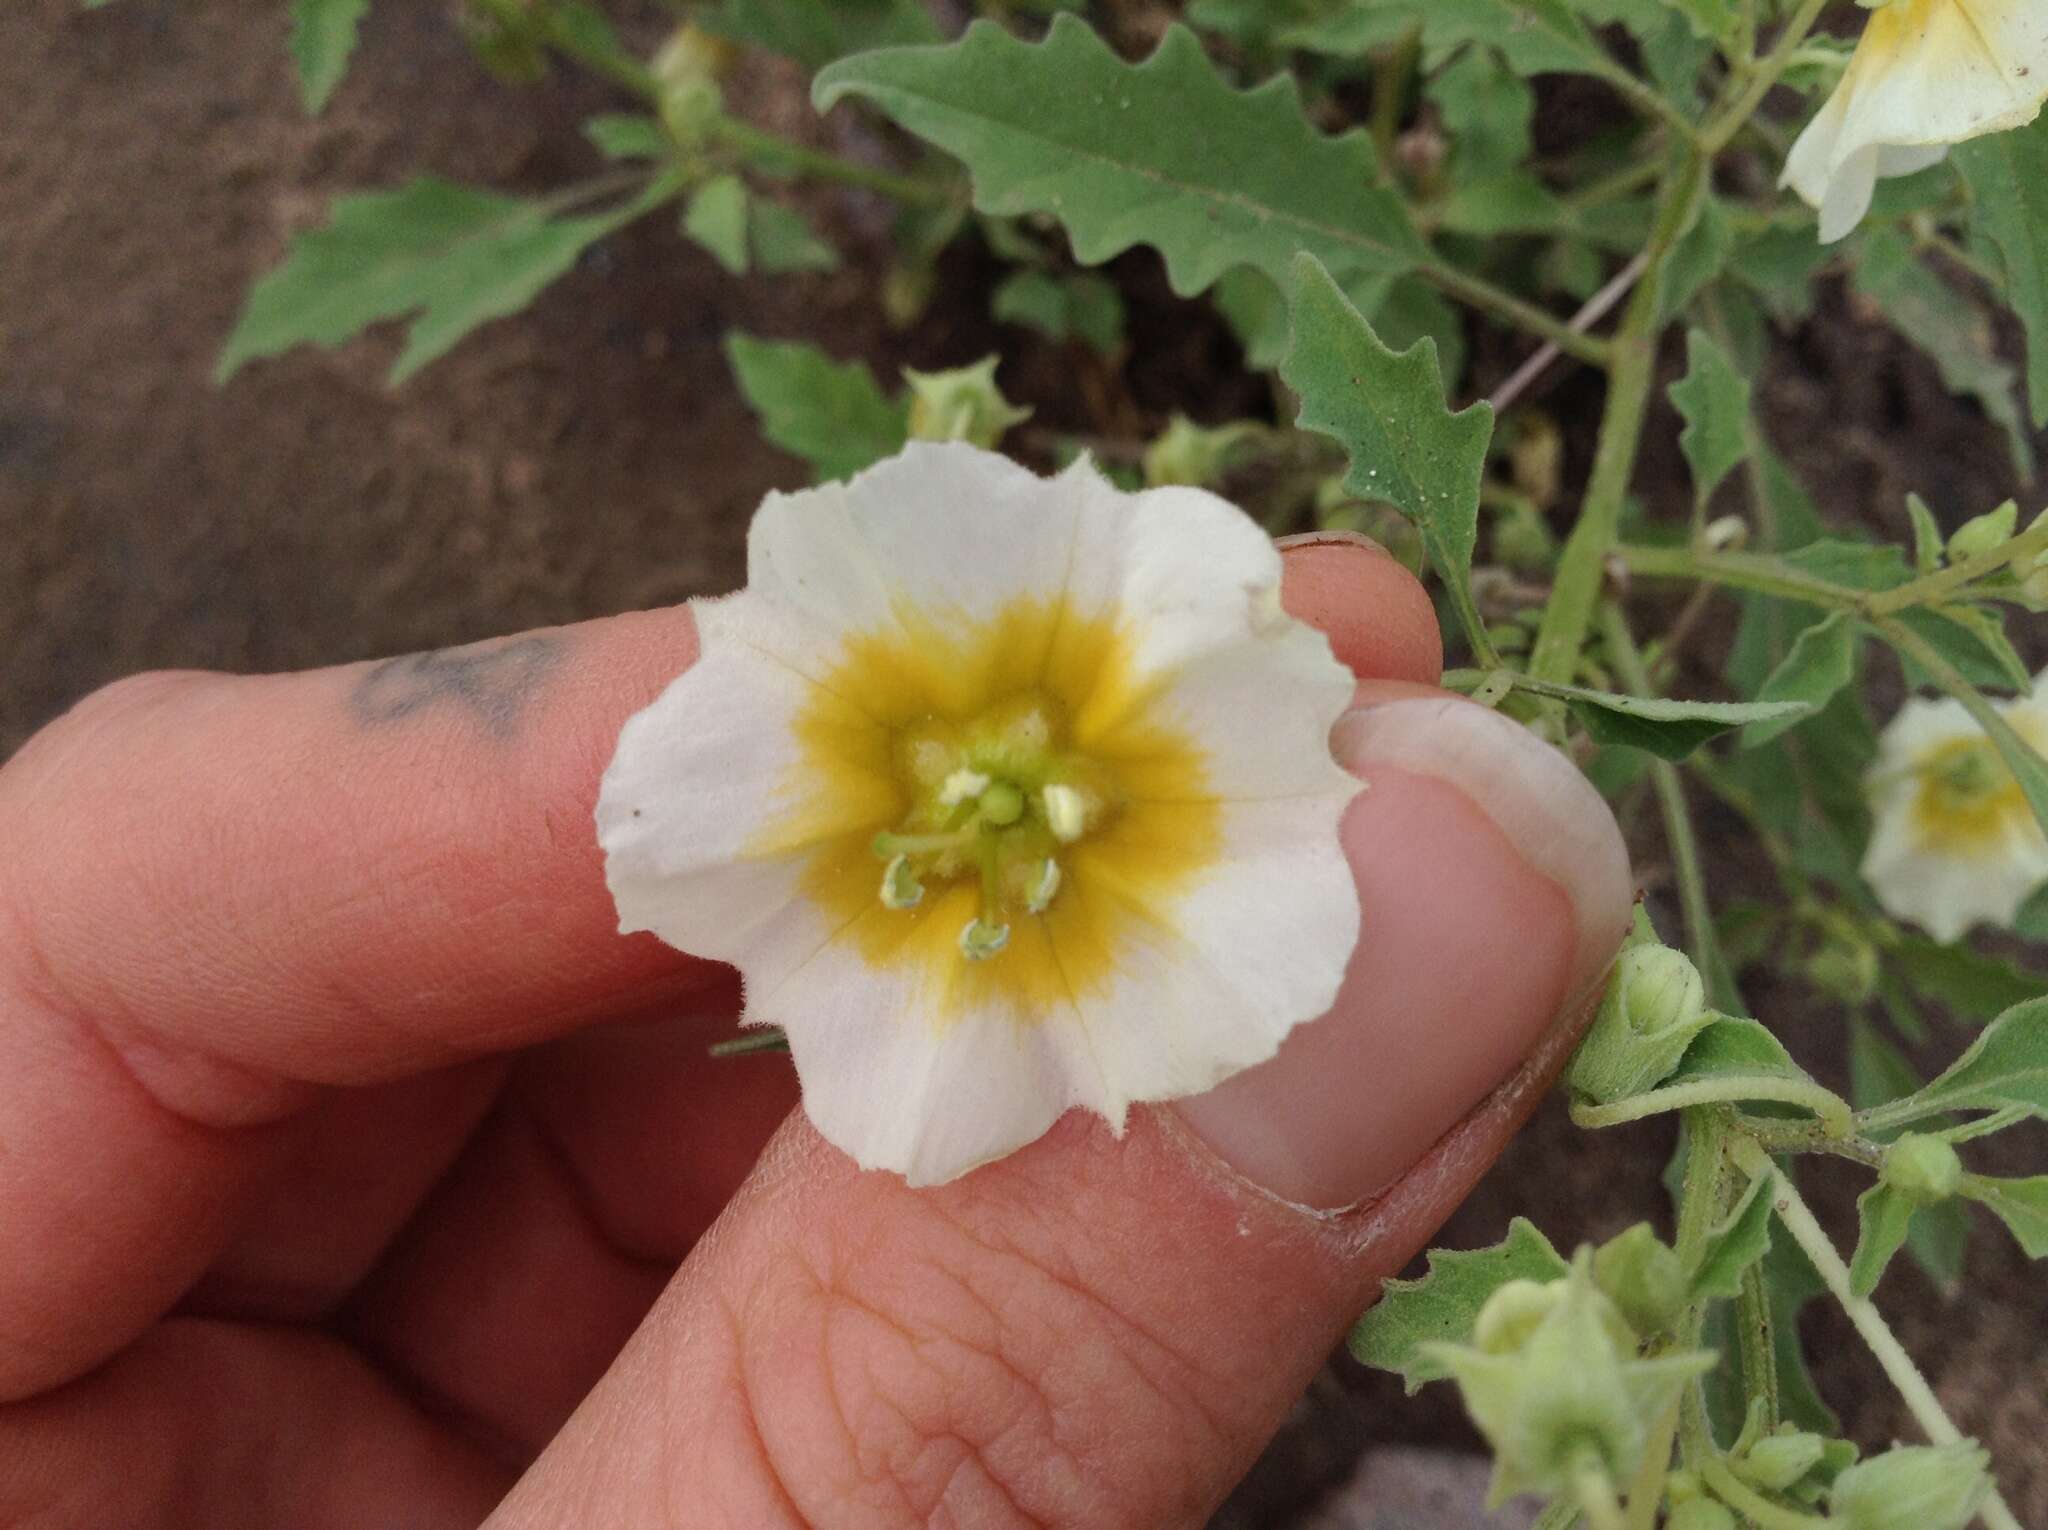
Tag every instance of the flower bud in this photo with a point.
(1524, 543)
(1844, 967)
(962, 404)
(1699, 1514)
(1654, 1007)
(1777, 1461)
(1187, 453)
(1553, 1374)
(691, 56)
(1913, 1487)
(1922, 1168)
(1643, 1278)
(1985, 532)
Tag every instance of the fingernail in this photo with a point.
(1331, 538)
(1494, 890)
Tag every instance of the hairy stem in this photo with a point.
(1833, 1112)
(1757, 84)
(1898, 1366)
(757, 144)
(1478, 292)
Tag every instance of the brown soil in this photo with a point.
(591, 456)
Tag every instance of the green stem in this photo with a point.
(543, 21)
(1753, 1328)
(1632, 371)
(1752, 1505)
(1806, 1137)
(1392, 70)
(1869, 1324)
(1558, 1514)
(1932, 587)
(1478, 292)
(1595, 1492)
(1714, 137)
(1646, 1488)
(1742, 571)
(1984, 1126)
(1686, 867)
(1835, 1117)
(1699, 1207)
(754, 143)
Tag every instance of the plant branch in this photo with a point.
(1891, 1355)
(1478, 292)
(1714, 137)
(757, 144)
(1832, 1112)
(1751, 1504)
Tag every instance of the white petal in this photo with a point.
(1918, 728)
(1949, 894)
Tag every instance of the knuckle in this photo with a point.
(972, 1384)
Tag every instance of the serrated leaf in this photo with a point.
(2008, 173)
(1387, 410)
(454, 256)
(1443, 1305)
(2007, 1066)
(2022, 1204)
(829, 413)
(1822, 660)
(1713, 400)
(716, 218)
(1669, 729)
(1066, 127)
(323, 38)
(1534, 36)
(1739, 1241)
(1952, 330)
(628, 135)
(783, 243)
(1700, 255)
(1488, 111)
(1883, 1217)
(815, 32)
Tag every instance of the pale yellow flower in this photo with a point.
(1926, 74)
(1005, 794)
(1954, 843)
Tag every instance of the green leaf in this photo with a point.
(1974, 985)
(1883, 1217)
(1938, 1237)
(1387, 410)
(2031, 922)
(1444, 1304)
(830, 414)
(1669, 729)
(2007, 1066)
(1711, 19)
(454, 256)
(1928, 543)
(1066, 127)
(1821, 662)
(323, 37)
(1487, 111)
(1699, 256)
(1736, 1047)
(716, 218)
(815, 32)
(2022, 1204)
(1534, 36)
(1742, 1238)
(1083, 307)
(782, 242)
(1713, 400)
(1972, 638)
(628, 135)
(2008, 172)
(1954, 332)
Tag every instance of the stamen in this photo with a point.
(895, 846)
(980, 940)
(1066, 812)
(900, 886)
(1039, 896)
(962, 786)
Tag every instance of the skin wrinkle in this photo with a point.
(740, 1381)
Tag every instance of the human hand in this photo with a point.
(348, 1155)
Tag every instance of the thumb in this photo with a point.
(1101, 1332)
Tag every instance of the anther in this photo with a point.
(1038, 897)
(979, 940)
(1066, 812)
(900, 886)
(962, 786)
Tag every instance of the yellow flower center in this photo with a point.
(1965, 799)
(996, 807)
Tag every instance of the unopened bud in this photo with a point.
(1187, 453)
(962, 404)
(1846, 968)
(1985, 532)
(1654, 1007)
(1922, 1168)
(1914, 1487)
(1643, 1278)
(1777, 1461)
(1699, 1514)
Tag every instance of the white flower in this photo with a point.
(1954, 843)
(1926, 74)
(1005, 794)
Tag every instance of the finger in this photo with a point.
(1095, 1332)
(623, 1119)
(224, 892)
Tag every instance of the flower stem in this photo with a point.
(1898, 1366)
(1756, 1508)
(758, 144)
(1835, 1117)
(1714, 137)
(1478, 292)
(1931, 587)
